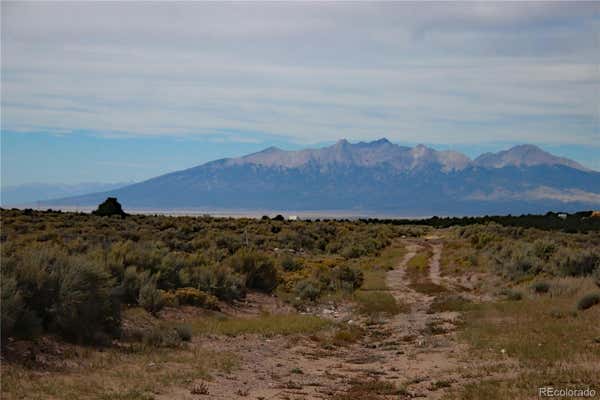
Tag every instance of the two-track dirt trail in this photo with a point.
(431, 351)
(416, 350)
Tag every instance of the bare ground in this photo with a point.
(416, 351)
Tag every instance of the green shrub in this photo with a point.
(289, 264)
(169, 298)
(540, 287)
(161, 336)
(231, 243)
(16, 319)
(522, 264)
(36, 271)
(28, 326)
(150, 297)
(195, 297)
(587, 301)
(348, 278)
(544, 249)
(168, 272)
(258, 268)
(86, 309)
(222, 282)
(482, 239)
(308, 289)
(184, 332)
(130, 285)
(353, 251)
(12, 304)
(576, 263)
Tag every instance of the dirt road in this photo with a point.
(415, 351)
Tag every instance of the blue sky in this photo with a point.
(124, 91)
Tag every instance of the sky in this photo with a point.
(124, 91)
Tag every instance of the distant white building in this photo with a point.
(562, 216)
(293, 218)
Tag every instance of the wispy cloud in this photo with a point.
(423, 72)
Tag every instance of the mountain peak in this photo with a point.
(271, 149)
(381, 141)
(421, 150)
(527, 150)
(524, 155)
(382, 151)
(526, 147)
(376, 176)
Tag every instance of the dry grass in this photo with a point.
(372, 390)
(343, 335)
(449, 302)
(115, 374)
(420, 262)
(525, 385)
(373, 297)
(552, 342)
(460, 257)
(378, 302)
(374, 279)
(265, 324)
(376, 270)
(538, 330)
(347, 335)
(417, 272)
(392, 254)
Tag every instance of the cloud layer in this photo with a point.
(427, 72)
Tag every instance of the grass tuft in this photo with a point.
(588, 301)
(451, 302)
(348, 335)
(540, 287)
(378, 302)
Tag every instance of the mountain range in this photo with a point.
(33, 192)
(376, 177)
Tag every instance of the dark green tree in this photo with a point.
(109, 207)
